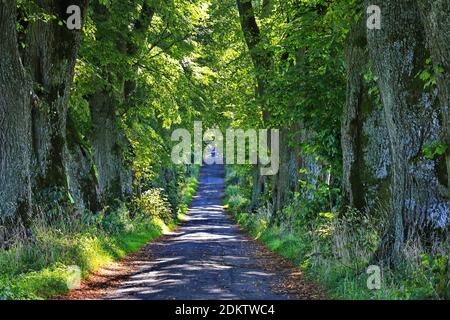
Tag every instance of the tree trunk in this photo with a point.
(109, 146)
(311, 167)
(109, 139)
(50, 57)
(398, 54)
(280, 186)
(436, 18)
(15, 124)
(286, 182)
(261, 62)
(366, 160)
(34, 113)
(82, 181)
(258, 185)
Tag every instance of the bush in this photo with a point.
(117, 221)
(188, 190)
(335, 249)
(37, 268)
(234, 199)
(155, 204)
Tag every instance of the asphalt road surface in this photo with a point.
(208, 257)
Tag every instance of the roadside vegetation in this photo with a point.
(41, 268)
(358, 91)
(336, 249)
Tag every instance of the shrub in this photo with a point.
(234, 199)
(336, 248)
(117, 221)
(155, 204)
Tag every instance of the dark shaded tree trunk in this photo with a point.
(109, 145)
(286, 181)
(366, 160)
(436, 18)
(311, 167)
(412, 117)
(267, 7)
(35, 92)
(140, 27)
(261, 61)
(15, 124)
(258, 185)
(109, 140)
(139, 31)
(82, 181)
(50, 57)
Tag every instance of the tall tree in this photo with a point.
(364, 136)
(49, 57)
(109, 140)
(436, 18)
(398, 53)
(15, 123)
(261, 61)
(41, 75)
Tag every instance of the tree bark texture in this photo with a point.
(15, 124)
(412, 116)
(364, 135)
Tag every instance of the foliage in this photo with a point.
(155, 204)
(336, 250)
(434, 150)
(38, 269)
(161, 65)
(188, 191)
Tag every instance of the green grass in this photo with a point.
(341, 281)
(188, 191)
(41, 269)
(26, 280)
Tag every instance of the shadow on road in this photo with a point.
(206, 258)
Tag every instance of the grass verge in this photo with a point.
(43, 267)
(337, 256)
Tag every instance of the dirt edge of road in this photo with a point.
(287, 280)
(293, 281)
(109, 278)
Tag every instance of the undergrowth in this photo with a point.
(336, 251)
(41, 266)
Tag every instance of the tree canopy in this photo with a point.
(87, 116)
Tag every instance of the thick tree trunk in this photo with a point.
(366, 160)
(109, 140)
(15, 125)
(110, 145)
(50, 58)
(83, 184)
(436, 18)
(267, 7)
(280, 186)
(140, 29)
(34, 113)
(258, 185)
(286, 182)
(398, 54)
(312, 169)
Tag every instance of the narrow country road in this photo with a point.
(208, 257)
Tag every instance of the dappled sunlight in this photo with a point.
(207, 258)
